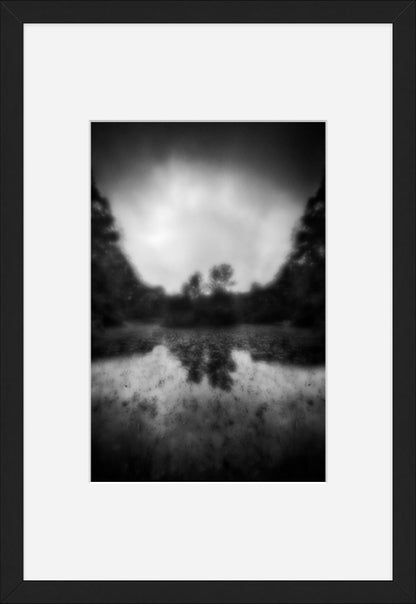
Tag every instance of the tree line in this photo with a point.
(296, 294)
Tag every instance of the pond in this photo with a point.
(242, 403)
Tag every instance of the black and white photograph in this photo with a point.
(208, 301)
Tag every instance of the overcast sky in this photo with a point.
(189, 195)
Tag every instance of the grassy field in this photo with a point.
(243, 403)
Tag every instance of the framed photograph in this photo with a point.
(208, 362)
(208, 301)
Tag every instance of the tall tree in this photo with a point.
(300, 283)
(220, 278)
(193, 287)
(114, 283)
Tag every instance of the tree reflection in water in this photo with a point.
(204, 351)
(207, 404)
(207, 357)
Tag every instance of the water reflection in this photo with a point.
(205, 405)
(206, 357)
(264, 342)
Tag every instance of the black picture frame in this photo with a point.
(401, 14)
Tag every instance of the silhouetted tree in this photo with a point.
(103, 230)
(193, 287)
(300, 283)
(115, 286)
(255, 287)
(220, 277)
(309, 237)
